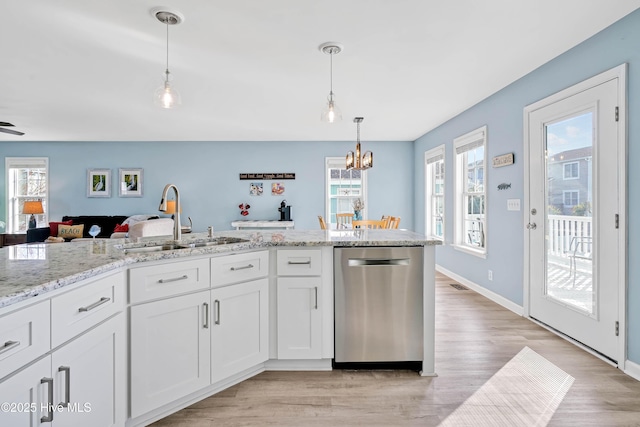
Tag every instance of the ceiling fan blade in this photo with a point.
(11, 131)
(5, 124)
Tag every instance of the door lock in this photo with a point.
(532, 226)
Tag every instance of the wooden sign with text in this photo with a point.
(503, 160)
(281, 175)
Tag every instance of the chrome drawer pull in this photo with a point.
(174, 279)
(299, 263)
(316, 306)
(95, 304)
(205, 305)
(49, 417)
(241, 268)
(8, 346)
(67, 385)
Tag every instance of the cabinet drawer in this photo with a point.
(24, 335)
(164, 280)
(239, 268)
(82, 308)
(299, 262)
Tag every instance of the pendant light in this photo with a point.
(331, 113)
(166, 96)
(357, 161)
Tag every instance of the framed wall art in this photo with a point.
(130, 182)
(98, 182)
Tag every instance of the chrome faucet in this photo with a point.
(177, 235)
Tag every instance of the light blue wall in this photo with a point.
(503, 114)
(207, 175)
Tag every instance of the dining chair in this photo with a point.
(369, 223)
(323, 225)
(344, 220)
(393, 222)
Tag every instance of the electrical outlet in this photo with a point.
(490, 274)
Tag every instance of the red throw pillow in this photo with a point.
(121, 228)
(53, 226)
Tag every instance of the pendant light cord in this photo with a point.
(331, 74)
(167, 70)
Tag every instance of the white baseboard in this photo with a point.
(632, 369)
(498, 299)
(298, 365)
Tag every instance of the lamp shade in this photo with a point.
(32, 207)
(171, 207)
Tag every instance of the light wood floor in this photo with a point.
(475, 338)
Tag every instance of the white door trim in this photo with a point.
(620, 73)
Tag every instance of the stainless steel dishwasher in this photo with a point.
(378, 305)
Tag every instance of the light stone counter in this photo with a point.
(30, 270)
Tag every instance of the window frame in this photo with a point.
(431, 158)
(564, 170)
(463, 145)
(340, 163)
(12, 200)
(564, 198)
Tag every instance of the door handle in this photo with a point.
(49, 417)
(216, 307)
(67, 385)
(531, 226)
(205, 310)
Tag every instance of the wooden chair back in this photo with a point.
(343, 220)
(323, 225)
(369, 223)
(393, 222)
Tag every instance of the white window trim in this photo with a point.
(433, 155)
(17, 162)
(468, 140)
(331, 162)
(564, 165)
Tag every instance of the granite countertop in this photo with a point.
(33, 269)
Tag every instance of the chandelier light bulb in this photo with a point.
(358, 161)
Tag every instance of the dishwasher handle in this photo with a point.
(364, 262)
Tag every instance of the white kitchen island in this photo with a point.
(266, 301)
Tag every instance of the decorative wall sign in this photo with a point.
(504, 186)
(255, 189)
(503, 160)
(277, 189)
(263, 175)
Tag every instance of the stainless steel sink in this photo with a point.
(217, 241)
(156, 248)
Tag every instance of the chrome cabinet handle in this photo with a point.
(299, 262)
(206, 315)
(94, 305)
(532, 226)
(173, 279)
(67, 385)
(49, 417)
(241, 268)
(216, 306)
(316, 291)
(9, 345)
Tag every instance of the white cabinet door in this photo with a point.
(90, 378)
(170, 350)
(239, 328)
(27, 396)
(299, 317)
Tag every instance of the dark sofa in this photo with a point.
(106, 223)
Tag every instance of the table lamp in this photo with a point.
(33, 207)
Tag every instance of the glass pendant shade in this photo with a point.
(331, 112)
(167, 96)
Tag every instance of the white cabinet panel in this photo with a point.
(239, 328)
(164, 280)
(299, 317)
(84, 307)
(170, 350)
(239, 268)
(24, 336)
(26, 389)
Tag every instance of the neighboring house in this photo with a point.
(570, 175)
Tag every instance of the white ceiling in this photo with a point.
(85, 70)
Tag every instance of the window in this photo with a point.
(571, 170)
(343, 188)
(470, 202)
(27, 179)
(570, 197)
(434, 197)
